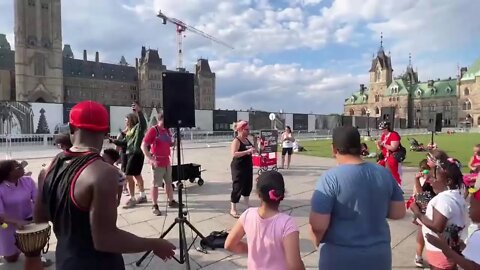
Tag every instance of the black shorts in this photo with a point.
(287, 150)
(134, 164)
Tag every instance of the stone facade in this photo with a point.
(38, 51)
(40, 71)
(418, 103)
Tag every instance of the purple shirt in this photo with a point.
(16, 202)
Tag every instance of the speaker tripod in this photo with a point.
(181, 219)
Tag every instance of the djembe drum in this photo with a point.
(31, 240)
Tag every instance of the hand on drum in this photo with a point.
(164, 249)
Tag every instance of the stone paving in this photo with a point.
(208, 206)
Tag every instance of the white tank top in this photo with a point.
(287, 144)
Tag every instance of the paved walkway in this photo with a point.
(208, 207)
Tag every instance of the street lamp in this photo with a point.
(368, 123)
(418, 118)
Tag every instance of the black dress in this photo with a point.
(242, 173)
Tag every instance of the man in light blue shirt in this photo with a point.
(350, 205)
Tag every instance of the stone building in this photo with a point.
(417, 103)
(39, 70)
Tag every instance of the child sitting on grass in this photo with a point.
(272, 236)
(111, 156)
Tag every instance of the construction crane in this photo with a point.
(182, 27)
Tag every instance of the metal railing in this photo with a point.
(197, 139)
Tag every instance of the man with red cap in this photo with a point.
(79, 197)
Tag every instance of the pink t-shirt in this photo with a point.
(265, 239)
(160, 140)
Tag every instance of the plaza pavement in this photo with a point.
(208, 207)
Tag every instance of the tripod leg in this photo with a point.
(194, 229)
(184, 246)
(139, 262)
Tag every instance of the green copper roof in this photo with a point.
(397, 88)
(357, 98)
(442, 88)
(473, 71)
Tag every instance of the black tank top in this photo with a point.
(244, 162)
(71, 224)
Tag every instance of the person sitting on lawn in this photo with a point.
(474, 163)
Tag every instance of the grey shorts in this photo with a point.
(162, 174)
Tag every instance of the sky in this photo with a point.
(302, 56)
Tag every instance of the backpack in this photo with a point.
(401, 154)
(157, 132)
(215, 240)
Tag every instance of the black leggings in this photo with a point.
(242, 184)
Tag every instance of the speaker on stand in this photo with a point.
(436, 126)
(178, 112)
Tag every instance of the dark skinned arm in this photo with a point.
(103, 218)
(451, 254)
(437, 225)
(39, 212)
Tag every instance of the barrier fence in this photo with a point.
(191, 139)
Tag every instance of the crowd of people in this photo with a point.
(80, 190)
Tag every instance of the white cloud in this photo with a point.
(289, 87)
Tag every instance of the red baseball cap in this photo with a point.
(90, 115)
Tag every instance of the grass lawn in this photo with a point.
(459, 146)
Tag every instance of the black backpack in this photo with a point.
(215, 240)
(401, 154)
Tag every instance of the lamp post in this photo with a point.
(418, 118)
(368, 123)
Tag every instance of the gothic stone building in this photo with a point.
(40, 70)
(418, 103)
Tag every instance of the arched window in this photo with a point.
(351, 112)
(39, 65)
(448, 106)
(377, 98)
(364, 111)
(467, 105)
(466, 91)
(377, 111)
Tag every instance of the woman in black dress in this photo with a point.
(241, 167)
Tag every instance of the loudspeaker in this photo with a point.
(438, 122)
(178, 99)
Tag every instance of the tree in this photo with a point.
(42, 127)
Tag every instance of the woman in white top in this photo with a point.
(446, 212)
(287, 146)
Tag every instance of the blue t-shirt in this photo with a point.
(358, 198)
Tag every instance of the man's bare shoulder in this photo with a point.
(101, 173)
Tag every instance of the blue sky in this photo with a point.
(291, 55)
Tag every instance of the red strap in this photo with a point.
(74, 181)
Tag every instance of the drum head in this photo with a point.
(33, 227)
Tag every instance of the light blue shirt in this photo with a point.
(358, 198)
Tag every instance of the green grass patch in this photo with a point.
(458, 145)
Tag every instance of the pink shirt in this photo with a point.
(160, 141)
(265, 239)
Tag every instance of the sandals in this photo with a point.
(235, 216)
